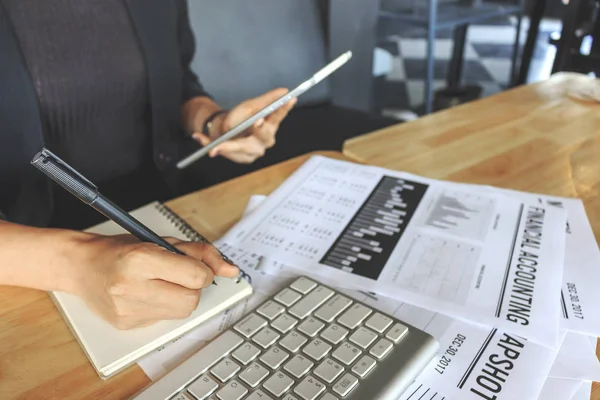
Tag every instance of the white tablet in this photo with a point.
(302, 88)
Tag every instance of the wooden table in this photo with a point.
(534, 138)
(39, 359)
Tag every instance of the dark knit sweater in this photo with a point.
(89, 74)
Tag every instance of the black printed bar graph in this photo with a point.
(366, 243)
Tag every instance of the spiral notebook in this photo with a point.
(111, 350)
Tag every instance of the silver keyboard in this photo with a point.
(308, 342)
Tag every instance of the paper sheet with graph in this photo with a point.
(484, 257)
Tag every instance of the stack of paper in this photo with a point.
(506, 281)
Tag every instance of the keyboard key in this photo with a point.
(317, 349)
(334, 333)
(345, 385)
(185, 396)
(254, 374)
(334, 307)
(287, 297)
(250, 325)
(346, 353)
(203, 387)
(303, 285)
(232, 391)
(381, 348)
(396, 333)
(293, 341)
(284, 323)
(266, 337)
(270, 310)
(354, 316)
(289, 397)
(225, 369)
(298, 366)
(278, 384)
(363, 337)
(193, 367)
(246, 353)
(311, 302)
(329, 370)
(328, 396)
(309, 388)
(363, 366)
(311, 326)
(258, 395)
(274, 357)
(378, 322)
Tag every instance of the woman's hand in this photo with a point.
(253, 143)
(126, 282)
(132, 284)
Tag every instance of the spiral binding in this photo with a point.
(193, 235)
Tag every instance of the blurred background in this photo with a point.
(490, 38)
(411, 58)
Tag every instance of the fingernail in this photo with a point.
(235, 271)
(228, 260)
(260, 122)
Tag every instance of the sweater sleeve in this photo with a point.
(191, 86)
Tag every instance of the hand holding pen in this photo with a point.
(132, 283)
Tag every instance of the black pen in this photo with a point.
(80, 187)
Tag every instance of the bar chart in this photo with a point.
(462, 214)
(366, 243)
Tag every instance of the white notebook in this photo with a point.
(111, 350)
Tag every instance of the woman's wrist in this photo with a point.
(213, 126)
(43, 259)
(70, 250)
(196, 111)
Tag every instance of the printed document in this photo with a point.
(579, 296)
(488, 258)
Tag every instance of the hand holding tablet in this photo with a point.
(266, 111)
